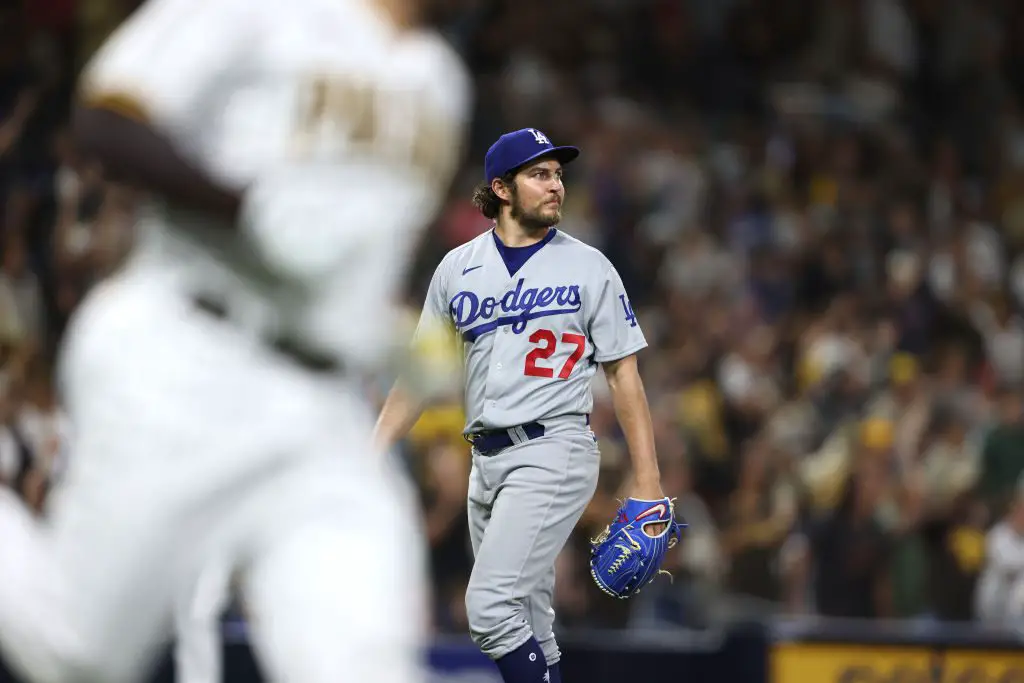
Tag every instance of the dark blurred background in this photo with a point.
(818, 209)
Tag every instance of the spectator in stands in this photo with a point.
(19, 92)
(572, 598)
(22, 308)
(950, 520)
(848, 552)
(948, 468)
(907, 404)
(701, 421)
(42, 422)
(440, 464)
(763, 511)
(1000, 593)
(1003, 331)
(18, 469)
(445, 485)
(1002, 456)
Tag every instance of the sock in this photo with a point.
(525, 664)
(554, 673)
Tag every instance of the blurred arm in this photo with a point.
(146, 81)
(883, 594)
(12, 127)
(133, 152)
(768, 530)
(398, 415)
(431, 366)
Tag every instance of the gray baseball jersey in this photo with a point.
(534, 323)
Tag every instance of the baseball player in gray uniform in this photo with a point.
(536, 311)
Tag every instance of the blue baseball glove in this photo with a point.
(624, 558)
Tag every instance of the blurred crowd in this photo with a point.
(818, 211)
(61, 230)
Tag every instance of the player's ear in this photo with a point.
(502, 189)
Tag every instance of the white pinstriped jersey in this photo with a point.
(346, 128)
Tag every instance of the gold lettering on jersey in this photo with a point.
(374, 121)
(359, 103)
(315, 108)
(433, 142)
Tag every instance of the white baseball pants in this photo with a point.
(194, 442)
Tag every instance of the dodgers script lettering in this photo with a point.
(474, 316)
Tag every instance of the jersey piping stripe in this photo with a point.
(475, 333)
(119, 103)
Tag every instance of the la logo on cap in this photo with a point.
(540, 137)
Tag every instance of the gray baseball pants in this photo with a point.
(524, 502)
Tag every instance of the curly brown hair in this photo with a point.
(488, 203)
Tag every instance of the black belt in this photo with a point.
(309, 359)
(492, 440)
(496, 439)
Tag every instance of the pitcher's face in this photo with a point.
(537, 195)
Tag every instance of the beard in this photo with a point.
(531, 219)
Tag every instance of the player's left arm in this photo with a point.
(634, 416)
(617, 337)
(167, 59)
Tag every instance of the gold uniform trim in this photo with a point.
(119, 103)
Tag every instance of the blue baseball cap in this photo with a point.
(519, 148)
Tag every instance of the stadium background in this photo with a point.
(818, 209)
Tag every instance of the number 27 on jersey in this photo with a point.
(546, 344)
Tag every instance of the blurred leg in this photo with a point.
(85, 596)
(335, 577)
(34, 593)
(339, 600)
(198, 648)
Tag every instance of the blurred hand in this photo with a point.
(449, 473)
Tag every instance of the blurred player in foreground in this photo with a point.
(292, 154)
(538, 312)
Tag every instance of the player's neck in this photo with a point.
(512, 234)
